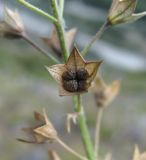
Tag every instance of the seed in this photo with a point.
(71, 85)
(69, 75)
(82, 74)
(82, 85)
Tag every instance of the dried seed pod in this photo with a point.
(103, 93)
(76, 75)
(11, 26)
(122, 11)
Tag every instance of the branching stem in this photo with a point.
(27, 39)
(65, 146)
(95, 38)
(39, 11)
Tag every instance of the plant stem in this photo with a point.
(61, 7)
(60, 30)
(94, 38)
(97, 132)
(27, 39)
(70, 150)
(83, 128)
(39, 11)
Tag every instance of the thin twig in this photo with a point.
(95, 38)
(97, 131)
(27, 39)
(39, 11)
(65, 146)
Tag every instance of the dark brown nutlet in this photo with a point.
(82, 86)
(82, 74)
(69, 75)
(71, 85)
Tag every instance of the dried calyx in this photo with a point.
(43, 131)
(54, 44)
(139, 156)
(103, 93)
(11, 26)
(122, 11)
(76, 75)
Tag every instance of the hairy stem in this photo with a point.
(70, 150)
(97, 132)
(94, 38)
(60, 30)
(83, 128)
(39, 11)
(27, 39)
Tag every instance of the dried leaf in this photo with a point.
(75, 76)
(122, 11)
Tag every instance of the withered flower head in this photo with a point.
(11, 25)
(103, 93)
(122, 11)
(76, 75)
(54, 44)
(138, 156)
(42, 132)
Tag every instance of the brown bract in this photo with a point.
(42, 132)
(11, 25)
(139, 156)
(76, 75)
(103, 93)
(54, 44)
(122, 11)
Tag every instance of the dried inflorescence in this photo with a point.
(76, 75)
(122, 11)
(53, 41)
(103, 93)
(42, 132)
(11, 26)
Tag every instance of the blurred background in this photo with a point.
(26, 86)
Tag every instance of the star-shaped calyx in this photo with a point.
(76, 75)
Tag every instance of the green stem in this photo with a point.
(96, 37)
(39, 11)
(97, 132)
(84, 129)
(27, 39)
(60, 30)
(61, 7)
